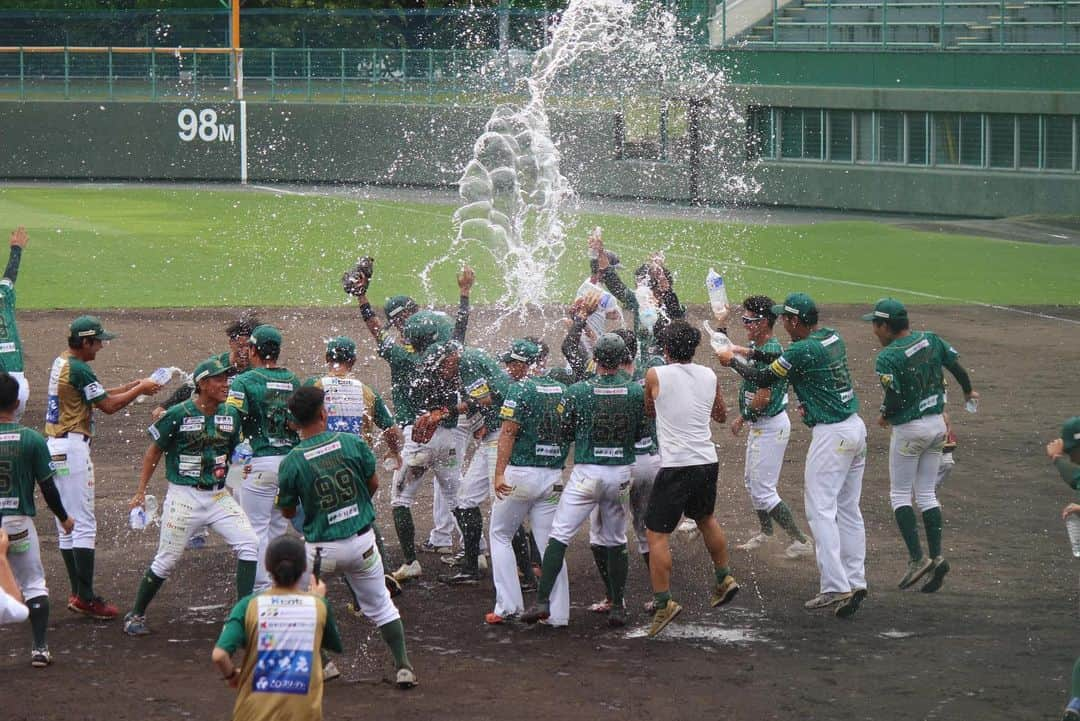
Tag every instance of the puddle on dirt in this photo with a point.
(711, 633)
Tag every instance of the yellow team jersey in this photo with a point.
(73, 391)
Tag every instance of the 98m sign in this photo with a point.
(204, 125)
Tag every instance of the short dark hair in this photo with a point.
(544, 349)
(304, 404)
(267, 350)
(243, 325)
(286, 560)
(895, 325)
(680, 340)
(761, 305)
(9, 392)
(75, 343)
(630, 340)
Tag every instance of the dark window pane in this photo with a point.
(1002, 140)
(1057, 139)
(1029, 140)
(791, 133)
(864, 125)
(971, 139)
(946, 139)
(918, 138)
(813, 134)
(759, 134)
(840, 135)
(890, 137)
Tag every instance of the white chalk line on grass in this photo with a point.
(376, 203)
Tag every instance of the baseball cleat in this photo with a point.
(71, 603)
(458, 559)
(97, 607)
(601, 606)
(429, 547)
(330, 671)
(823, 600)
(405, 678)
(800, 549)
(40, 657)
(494, 619)
(392, 585)
(616, 617)
(724, 592)
(915, 570)
(539, 612)
(1072, 711)
(461, 578)
(663, 617)
(407, 571)
(848, 608)
(755, 542)
(135, 625)
(937, 575)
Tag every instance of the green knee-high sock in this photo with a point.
(69, 563)
(406, 533)
(471, 522)
(599, 554)
(84, 572)
(39, 619)
(553, 560)
(784, 518)
(245, 578)
(380, 544)
(909, 529)
(394, 635)
(932, 520)
(520, 544)
(151, 583)
(660, 599)
(618, 562)
(765, 521)
(1076, 679)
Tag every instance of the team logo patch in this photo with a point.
(478, 389)
(154, 433)
(506, 411)
(224, 423)
(93, 390)
(887, 379)
(192, 424)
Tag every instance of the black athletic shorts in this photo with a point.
(686, 490)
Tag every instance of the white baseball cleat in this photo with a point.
(407, 571)
(330, 671)
(405, 678)
(755, 542)
(800, 549)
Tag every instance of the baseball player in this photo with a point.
(24, 462)
(815, 365)
(684, 397)
(196, 438)
(604, 415)
(11, 354)
(332, 475)
(1064, 452)
(764, 411)
(909, 368)
(528, 477)
(73, 394)
(260, 394)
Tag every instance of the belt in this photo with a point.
(364, 530)
(72, 434)
(209, 487)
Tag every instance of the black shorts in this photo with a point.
(686, 490)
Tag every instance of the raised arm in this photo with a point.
(465, 282)
(19, 239)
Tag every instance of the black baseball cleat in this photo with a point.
(392, 585)
(461, 578)
(850, 605)
(535, 614)
(616, 617)
(937, 575)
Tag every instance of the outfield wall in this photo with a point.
(428, 145)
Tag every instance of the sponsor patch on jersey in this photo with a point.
(190, 466)
(7, 347)
(236, 394)
(916, 347)
(846, 396)
(928, 402)
(611, 391)
(548, 389)
(506, 411)
(547, 451)
(192, 424)
(830, 340)
(9, 504)
(886, 379)
(478, 389)
(608, 452)
(154, 433)
(59, 464)
(276, 386)
(343, 514)
(224, 423)
(644, 444)
(780, 367)
(9, 437)
(94, 390)
(322, 450)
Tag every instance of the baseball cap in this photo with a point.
(265, 336)
(887, 309)
(397, 304)
(426, 327)
(88, 326)
(341, 349)
(436, 353)
(799, 305)
(209, 368)
(1070, 433)
(521, 350)
(610, 351)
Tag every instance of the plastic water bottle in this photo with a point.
(161, 376)
(594, 254)
(242, 454)
(648, 313)
(717, 292)
(971, 405)
(141, 516)
(588, 287)
(1072, 525)
(719, 341)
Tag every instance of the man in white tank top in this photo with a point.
(684, 396)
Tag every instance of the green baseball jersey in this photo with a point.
(778, 390)
(197, 446)
(536, 405)
(604, 415)
(909, 369)
(817, 369)
(11, 354)
(648, 443)
(482, 377)
(327, 474)
(24, 461)
(402, 360)
(261, 396)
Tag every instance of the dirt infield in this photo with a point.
(997, 642)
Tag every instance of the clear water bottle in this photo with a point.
(242, 454)
(161, 376)
(648, 313)
(971, 405)
(1072, 525)
(718, 299)
(719, 341)
(142, 516)
(594, 254)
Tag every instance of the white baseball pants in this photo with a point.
(358, 559)
(914, 461)
(591, 486)
(24, 555)
(75, 480)
(257, 498)
(187, 510)
(766, 441)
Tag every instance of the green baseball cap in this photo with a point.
(436, 353)
(522, 350)
(398, 304)
(799, 305)
(610, 351)
(88, 326)
(341, 349)
(1070, 433)
(427, 327)
(264, 336)
(887, 309)
(209, 368)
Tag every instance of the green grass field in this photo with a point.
(122, 246)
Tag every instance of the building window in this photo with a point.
(761, 134)
(890, 137)
(840, 135)
(801, 133)
(971, 139)
(1002, 130)
(1028, 140)
(864, 136)
(918, 138)
(1057, 142)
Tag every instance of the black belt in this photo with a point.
(210, 487)
(85, 438)
(364, 530)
